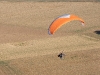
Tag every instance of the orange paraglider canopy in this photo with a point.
(57, 23)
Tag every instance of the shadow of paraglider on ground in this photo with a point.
(97, 32)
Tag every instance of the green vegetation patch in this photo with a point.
(7, 69)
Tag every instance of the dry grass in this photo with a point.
(53, 0)
(27, 49)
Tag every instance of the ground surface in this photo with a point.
(27, 49)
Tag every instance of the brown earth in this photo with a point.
(27, 49)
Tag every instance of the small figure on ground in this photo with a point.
(61, 55)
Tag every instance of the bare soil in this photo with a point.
(27, 49)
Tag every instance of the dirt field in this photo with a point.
(27, 49)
